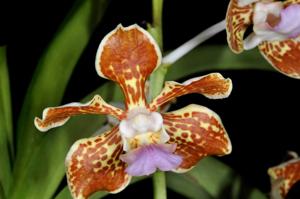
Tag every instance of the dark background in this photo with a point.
(261, 115)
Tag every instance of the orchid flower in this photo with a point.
(276, 31)
(283, 177)
(145, 139)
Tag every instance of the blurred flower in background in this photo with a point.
(284, 176)
(275, 31)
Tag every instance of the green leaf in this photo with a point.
(220, 181)
(65, 193)
(53, 72)
(215, 58)
(2, 196)
(5, 125)
(45, 169)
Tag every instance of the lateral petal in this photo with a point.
(94, 164)
(58, 116)
(213, 86)
(198, 132)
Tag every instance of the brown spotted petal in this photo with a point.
(198, 132)
(213, 86)
(238, 19)
(289, 2)
(93, 165)
(284, 176)
(283, 56)
(128, 56)
(58, 116)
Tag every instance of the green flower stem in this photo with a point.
(157, 78)
(156, 83)
(159, 185)
(157, 8)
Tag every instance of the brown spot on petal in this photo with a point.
(186, 115)
(104, 157)
(184, 135)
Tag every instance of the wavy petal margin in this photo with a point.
(128, 55)
(94, 164)
(213, 86)
(58, 116)
(284, 176)
(238, 19)
(198, 132)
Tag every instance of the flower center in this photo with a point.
(273, 22)
(266, 14)
(142, 127)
